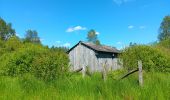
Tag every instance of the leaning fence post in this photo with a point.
(140, 73)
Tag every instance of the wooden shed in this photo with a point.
(94, 56)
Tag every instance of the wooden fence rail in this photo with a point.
(140, 74)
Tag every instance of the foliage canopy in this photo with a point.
(92, 37)
(6, 30)
(164, 31)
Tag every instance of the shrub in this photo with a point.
(41, 62)
(50, 65)
(152, 58)
(165, 43)
(19, 62)
(13, 44)
(1, 47)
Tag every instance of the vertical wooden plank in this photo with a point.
(140, 73)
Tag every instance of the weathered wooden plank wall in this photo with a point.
(83, 56)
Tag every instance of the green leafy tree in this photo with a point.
(32, 36)
(97, 42)
(6, 30)
(92, 37)
(164, 31)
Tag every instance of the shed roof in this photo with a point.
(99, 48)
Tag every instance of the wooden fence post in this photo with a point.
(84, 71)
(104, 72)
(140, 73)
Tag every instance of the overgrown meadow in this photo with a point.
(156, 87)
(32, 71)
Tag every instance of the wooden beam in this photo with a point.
(129, 73)
(78, 70)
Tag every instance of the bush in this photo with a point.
(152, 58)
(35, 59)
(19, 62)
(164, 43)
(13, 44)
(18, 58)
(9, 46)
(50, 65)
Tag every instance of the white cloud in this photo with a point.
(79, 28)
(76, 28)
(130, 27)
(97, 33)
(119, 2)
(142, 27)
(69, 30)
(61, 44)
(67, 45)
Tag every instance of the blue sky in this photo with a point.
(65, 22)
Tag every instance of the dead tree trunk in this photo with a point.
(140, 73)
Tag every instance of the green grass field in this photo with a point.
(156, 87)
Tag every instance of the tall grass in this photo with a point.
(156, 87)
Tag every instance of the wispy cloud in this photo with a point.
(76, 28)
(131, 27)
(97, 33)
(119, 2)
(61, 44)
(137, 27)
